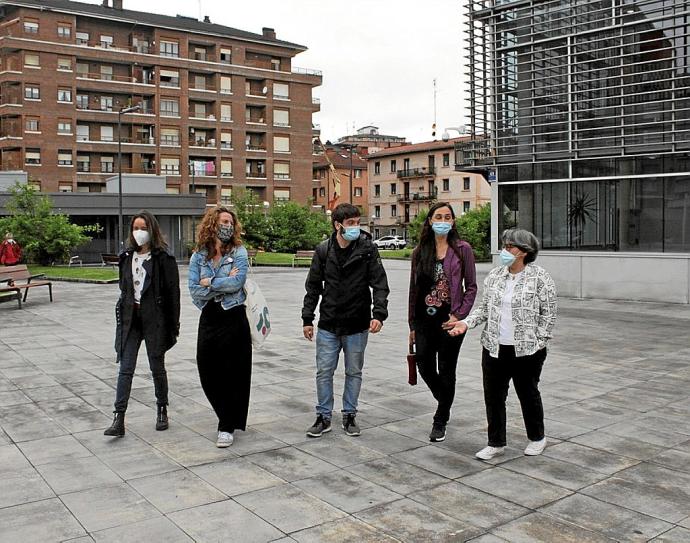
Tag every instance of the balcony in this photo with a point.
(471, 154)
(416, 172)
(110, 78)
(307, 71)
(418, 196)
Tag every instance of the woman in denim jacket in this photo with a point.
(217, 272)
(519, 311)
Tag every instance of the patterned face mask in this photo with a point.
(225, 232)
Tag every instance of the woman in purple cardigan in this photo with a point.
(442, 291)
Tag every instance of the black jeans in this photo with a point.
(128, 363)
(437, 360)
(525, 372)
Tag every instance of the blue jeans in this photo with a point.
(328, 347)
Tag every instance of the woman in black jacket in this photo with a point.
(148, 310)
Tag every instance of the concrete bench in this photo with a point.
(108, 259)
(302, 256)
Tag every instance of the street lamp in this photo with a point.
(192, 170)
(462, 129)
(120, 239)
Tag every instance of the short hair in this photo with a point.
(342, 212)
(524, 240)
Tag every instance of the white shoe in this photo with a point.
(487, 453)
(225, 439)
(535, 448)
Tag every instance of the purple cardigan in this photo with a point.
(463, 282)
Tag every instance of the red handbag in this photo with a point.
(411, 366)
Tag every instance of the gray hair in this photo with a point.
(524, 240)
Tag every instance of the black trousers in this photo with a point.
(437, 361)
(224, 361)
(525, 372)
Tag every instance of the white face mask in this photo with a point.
(142, 237)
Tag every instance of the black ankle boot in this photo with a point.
(117, 428)
(162, 420)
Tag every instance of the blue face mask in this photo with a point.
(441, 228)
(350, 233)
(507, 258)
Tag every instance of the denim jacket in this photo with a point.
(533, 309)
(224, 288)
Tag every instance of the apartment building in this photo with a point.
(346, 161)
(405, 180)
(368, 139)
(216, 109)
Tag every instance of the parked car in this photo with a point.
(390, 242)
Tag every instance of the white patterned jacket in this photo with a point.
(533, 309)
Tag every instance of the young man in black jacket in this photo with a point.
(344, 272)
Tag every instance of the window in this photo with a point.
(64, 126)
(107, 133)
(64, 158)
(31, 27)
(106, 103)
(82, 101)
(465, 206)
(358, 191)
(225, 84)
(281, 144)
(226, 140)
(281, 195)
(394, 167)
(322, 192)
(446, 184)
(394, 188)
(394, 231)
(226, 168)
(82, 69)
(199, 82)
(226, 195)
(281, 117)
(377, 191)
(465, 183)
(281, 170)
(170, 136)
(170, 108)
(281, 91)
(64, 95)
(377, 168)
(357, 173)
(107, 73)
(172, 190)
(32, 157)
(64, 31)
(226, 56)
(199, 53)
(83, 163)
(446, 159)
(82, 132)
(64, 64)
(82, 38)
(31, 124)
(169, 78)
(107, 164)
(169, 48)
(394, 211)
(275, 64)
(170, 166)
(226, 112)
(32, 60)
(32, 92)
(377, 212)
(62, 187)
(106, 41)
(406, 165)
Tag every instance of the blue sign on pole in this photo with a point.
(492, 176)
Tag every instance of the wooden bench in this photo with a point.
(251, 255)
(302, 256)
(108, 259)
(13, 274)
(9, 293)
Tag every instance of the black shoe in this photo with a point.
(117, 428)
(320, 427)
(438, 432)
(350, 425)
(162, 419)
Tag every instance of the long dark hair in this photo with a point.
(425, 253)
(207, 232)
(157, 241)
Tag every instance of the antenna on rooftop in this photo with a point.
(200, 17)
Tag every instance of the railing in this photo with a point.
(417, 196)
(135, 141)
(307, 71)
(112, 77)
(416, 172)
(316, 101)
(255, 147)
(203, 143)
(208, 87)
(281, 176)
(257, 175)
(170, 140)
(467, 153)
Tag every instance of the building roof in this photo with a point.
(341, 160)
(183, 24)
(418, 148)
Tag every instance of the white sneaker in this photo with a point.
(535, 448)
(487, 453)
(225, 439)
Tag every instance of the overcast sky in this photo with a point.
(379, 57)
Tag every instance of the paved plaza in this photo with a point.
(616, 395)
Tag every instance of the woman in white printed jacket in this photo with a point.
(518, 308)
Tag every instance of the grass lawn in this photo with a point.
(398, 254)
(274, 259)
(76, 272)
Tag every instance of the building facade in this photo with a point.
(405, 180)
(580, 112)
(346, 162)
(216, 109)
(369, 140)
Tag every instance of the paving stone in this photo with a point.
(52, 449)
(675, 535)
(72, 474)
(40, 522)
(346, 530)
(624, 446)
(587, 457)
(291, 464)
(156, 529)
(397, 475)
(342, 451)
(13, 397)
(26, 422)
(176, 490)
(22, 486)
(673, 458)
(440, 461)
(289, 508)
(554, 471)
(236, 476)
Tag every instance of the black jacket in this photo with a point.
(159, 305)
(346, 292)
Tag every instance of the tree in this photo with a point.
(294, 227)
(45, 237)
(252, 217)
(474, 226)
(414, 229)
(581, 210)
